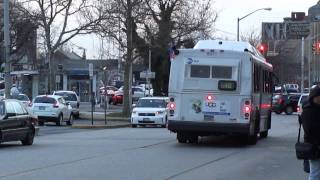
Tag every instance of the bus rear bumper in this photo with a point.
(208, 128)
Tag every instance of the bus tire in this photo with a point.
(264, 134)
(181, 137)
(252, 139)
(193, 139)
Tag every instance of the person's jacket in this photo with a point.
(311, 119)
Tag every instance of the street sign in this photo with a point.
(91, 70)
(147, 74)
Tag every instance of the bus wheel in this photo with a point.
(264, 134)
(182, 138)
(252, 140)
(193, 139)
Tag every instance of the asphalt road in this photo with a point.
(153, 153)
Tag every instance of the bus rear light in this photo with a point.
(246, 115)
(298, 109)
(171, 99)
(210, 98)
(247, 109)
(172, 106)
(171, 112)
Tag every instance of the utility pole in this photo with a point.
(302, 64)
(7, 64)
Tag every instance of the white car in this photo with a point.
(51, 108)
(150, 111)
(303, 98)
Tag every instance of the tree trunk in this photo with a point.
(51, 79)
(126, 102)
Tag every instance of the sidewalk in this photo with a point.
(85, 122)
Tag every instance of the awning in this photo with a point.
(25, 72)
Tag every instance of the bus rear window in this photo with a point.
(200, 71)
(222, 72)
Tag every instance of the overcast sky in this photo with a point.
(228, 12)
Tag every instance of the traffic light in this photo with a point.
(263, 49)
(316, 47)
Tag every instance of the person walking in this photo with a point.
(311, 125)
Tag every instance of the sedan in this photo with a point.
(52, 108)
(15, 122)
(150, 111)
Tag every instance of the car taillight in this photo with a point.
(55, 105)
(34, 121)
(280, 101)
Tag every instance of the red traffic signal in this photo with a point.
(263, 48)
(316, 48)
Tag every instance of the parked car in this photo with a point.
(150, 111)
(118, 96)
(16, 124)
(303, 98)
(110, 90)
(285, 103)
(23, 98)
(72, 98)
(52, 108)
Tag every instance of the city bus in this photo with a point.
(220, 88)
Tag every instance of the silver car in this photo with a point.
(72, 98)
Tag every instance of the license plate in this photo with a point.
(146, 119)
(216, 108)
(42, 108)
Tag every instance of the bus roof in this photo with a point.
(225, 45)
(236, 46)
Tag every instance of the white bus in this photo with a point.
(220, 87)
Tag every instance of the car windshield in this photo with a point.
(67, 96)
(22, 97)
(152, 103)
(44, 99)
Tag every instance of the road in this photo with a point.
(153, 153)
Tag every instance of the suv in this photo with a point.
(52, 108)
(285, 103)
(72, 98)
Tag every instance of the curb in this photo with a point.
(100, 126)
(100, 117)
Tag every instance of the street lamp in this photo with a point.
(239, 19)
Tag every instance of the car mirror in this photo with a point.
(134, 105)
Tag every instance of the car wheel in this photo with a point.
(70, 122)
(288, 110)
(29, 139)
(264, 134)
(278, 112)
(181, 137)
(60, 120)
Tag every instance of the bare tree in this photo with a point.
(60, 21)
(253, 37)
(179, 22)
